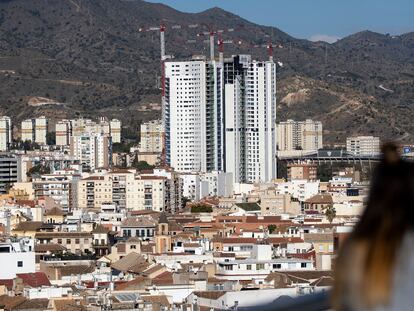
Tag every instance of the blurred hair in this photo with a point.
(388, 215)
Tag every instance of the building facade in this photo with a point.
(250, 118)
(363, 145)
(300, 135)
(193, 115)
(220, 116)
(6, 131)
(151, 137)
(93, 150)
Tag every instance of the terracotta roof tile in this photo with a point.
(36, 279)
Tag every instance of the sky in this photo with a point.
(326, 20)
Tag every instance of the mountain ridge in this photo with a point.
(90, 56)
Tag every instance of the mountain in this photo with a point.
(67, 58)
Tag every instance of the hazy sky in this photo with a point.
(315, 19)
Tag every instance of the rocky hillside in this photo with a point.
(65, 58)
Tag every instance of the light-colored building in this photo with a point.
(250, 118)
(35, 130)
(363, 145)
(41, 128)
(58, 185)
(28, 133)
(299, 135)
(92, 192)
(115, 130)
(93, 150)
(221, 117)
(63, 130)
(158, 191)
(17, 257)
(192, 115)
(6, 131)
(151, 140)
(259, 266)
(306, 171)
(74, 242)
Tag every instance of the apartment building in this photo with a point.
(17, 257)
(363, 145)
(6, 130)
(35, 130)
(299, 135)
(159, 191)
(57, 185)
(220, 116)
(308, 171)
(115, 130)
(9, 172)
(250, 117)
(193, 115)
(63, 130)
(66, 129)
(93, 150)
(92, 192)
(74, 242)
(151, 137)
(27, 132)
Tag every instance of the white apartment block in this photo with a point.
(115, 130)
(128, 191)
(363, 145)
(151, 137)
(35, 130)
(192, 115)
(17, 257)
(221, 117)
(63, 130)
(298, 189)
(93, 150)
(6, 130)
(58, 186)
(197, 186)
(299, 135)
(28, 133)
(250, 119)
(41, 125)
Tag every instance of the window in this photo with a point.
(20, 263)
(59, 241)
(77, 241)
(277, 266)
(303, 264)
(259, 266)
(228, 267)
(249, 267)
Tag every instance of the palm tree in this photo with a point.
(330, 213)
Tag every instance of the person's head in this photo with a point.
(388, 215)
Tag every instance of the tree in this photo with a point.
(141, 165)
(51, 138)
(38, 170)
(271, 228)
(201, 208)
(330, 213)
